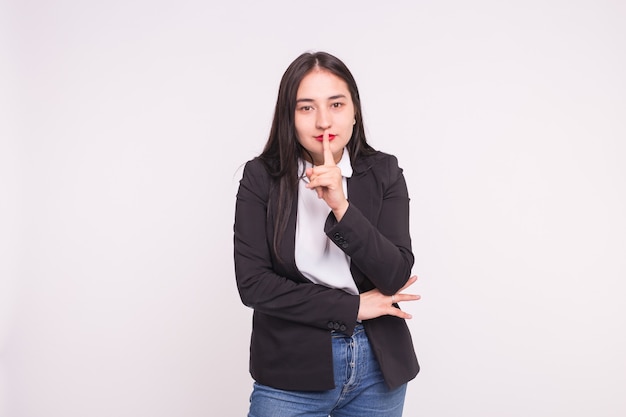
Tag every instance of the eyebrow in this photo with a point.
(308, 100)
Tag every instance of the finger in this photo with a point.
(329, 160)
(399, 313)
(409, 282)
(310, 173)
(399, 298)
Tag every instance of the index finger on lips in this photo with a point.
(328, 155)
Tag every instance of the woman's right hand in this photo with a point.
(375, 304)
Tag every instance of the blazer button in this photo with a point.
(337, 236)
(342, 327)
(336, 326)
(330, 325)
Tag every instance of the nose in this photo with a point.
(323, 119)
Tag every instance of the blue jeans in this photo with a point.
(360, 390)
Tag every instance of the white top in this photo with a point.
(317, 257)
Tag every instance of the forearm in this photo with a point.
(378, 244)
(302, 302)
(385, 263)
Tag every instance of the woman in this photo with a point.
(322, 253)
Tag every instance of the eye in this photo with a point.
(336, 105)
(305, 108)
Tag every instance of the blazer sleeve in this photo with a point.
(379, 243)
(259, 284)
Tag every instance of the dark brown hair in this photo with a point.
(282, 150)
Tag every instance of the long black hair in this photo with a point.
(282, 150)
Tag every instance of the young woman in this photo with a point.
(322, 254)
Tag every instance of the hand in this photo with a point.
(375, 304)
(327, 181)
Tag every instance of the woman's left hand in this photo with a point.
(374, 304)
(327, 181)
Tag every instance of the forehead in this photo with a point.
(321, 84)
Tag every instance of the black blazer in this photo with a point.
(293, 317)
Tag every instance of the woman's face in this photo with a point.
(323, 105)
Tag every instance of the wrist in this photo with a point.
(341, 210)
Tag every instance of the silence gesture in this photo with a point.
(326, 180)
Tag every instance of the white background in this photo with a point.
(124, 126)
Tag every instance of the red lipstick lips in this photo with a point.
(321, 137)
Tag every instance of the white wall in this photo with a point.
(125, 124)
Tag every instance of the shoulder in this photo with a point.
(258, 168)
(255, 165)
(256, 177)
(380, 164)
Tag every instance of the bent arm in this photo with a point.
(260, 286)
(379, 244)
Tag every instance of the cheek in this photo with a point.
(302, 122)
(350, 135)
(349, 129)
(298, 128)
